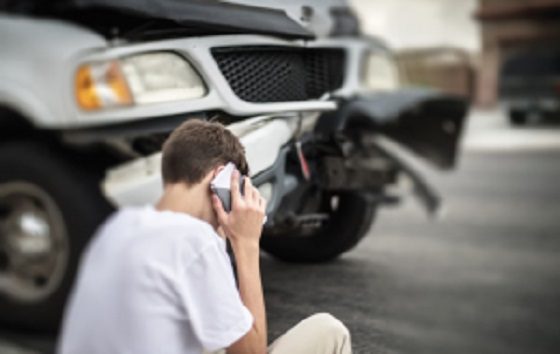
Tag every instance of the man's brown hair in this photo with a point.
(196, 147)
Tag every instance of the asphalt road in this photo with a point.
(482, 278)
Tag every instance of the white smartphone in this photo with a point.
(221, 185)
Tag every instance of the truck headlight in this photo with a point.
(138, 79)
(380, 72)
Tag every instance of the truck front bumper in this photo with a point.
(139, 181)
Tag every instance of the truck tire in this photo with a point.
(347, 225)
(49, 208)
(517, 117)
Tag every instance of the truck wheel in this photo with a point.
(350, 220)
(49, 208)
(517, 117)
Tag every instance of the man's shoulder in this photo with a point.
(164, 229)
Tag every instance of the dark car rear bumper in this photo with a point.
(427, 122)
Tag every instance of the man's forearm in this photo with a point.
(250, 289)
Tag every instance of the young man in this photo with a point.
(159, 280)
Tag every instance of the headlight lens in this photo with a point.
(139, 79)
(161, 77)
(381, 73)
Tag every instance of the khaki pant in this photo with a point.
(317, 334)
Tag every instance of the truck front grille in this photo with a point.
(280, 74)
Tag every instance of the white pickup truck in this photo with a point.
(89, 90)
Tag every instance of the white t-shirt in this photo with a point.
(154, 282)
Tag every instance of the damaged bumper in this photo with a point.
(401, 126)
(427, 122)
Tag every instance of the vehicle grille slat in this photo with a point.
(280, 74)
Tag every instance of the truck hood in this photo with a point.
(324, 18)
(192, 16)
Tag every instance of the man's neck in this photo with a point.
(181, 198)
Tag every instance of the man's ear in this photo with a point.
(217, 170)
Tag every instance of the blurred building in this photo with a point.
(509, 27)
(435, 40)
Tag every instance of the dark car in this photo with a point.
(530, 84)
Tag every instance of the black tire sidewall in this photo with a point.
(517, 117)
(346, 227)
(75, 192)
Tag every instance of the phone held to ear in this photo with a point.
(221, 185)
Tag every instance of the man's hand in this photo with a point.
(245, 220)
(243, 227)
